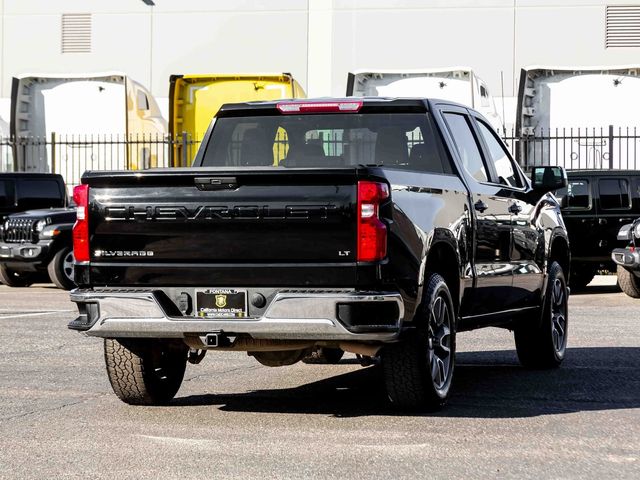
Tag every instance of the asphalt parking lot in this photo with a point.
(234, 418)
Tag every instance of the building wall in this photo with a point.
(319, 41)
(410, 34)
(151, 43)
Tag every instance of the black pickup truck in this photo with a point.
(595, 204)
(381, 227)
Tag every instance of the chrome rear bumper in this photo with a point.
(304, 315)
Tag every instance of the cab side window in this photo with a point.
(614, 193)
(576, 195)
(466, 146)
(507, 174)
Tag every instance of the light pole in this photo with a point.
(151, 4)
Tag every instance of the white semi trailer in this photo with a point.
(458, 84)
(579, 117)
(71, 123)
(6, 155)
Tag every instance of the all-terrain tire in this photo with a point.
(145, 372)
(12, 278)
(60, 269)
(418, 370)
(629, 283)
(542, 341)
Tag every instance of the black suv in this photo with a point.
(35, 243)
(595, 204)
(27, 191)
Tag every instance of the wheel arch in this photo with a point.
(559, 251)
(444, 260)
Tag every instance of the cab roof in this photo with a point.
(327, 105)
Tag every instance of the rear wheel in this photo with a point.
(145, 372)
(13, 278)
(60, 269)
(418, 370)
(629, 283)
(542, 343)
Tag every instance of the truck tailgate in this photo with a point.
(243, 227)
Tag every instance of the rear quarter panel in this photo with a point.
(427, 209)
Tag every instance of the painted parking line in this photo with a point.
(31, 310)
(31, 314)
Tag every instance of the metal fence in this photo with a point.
(577, 148)
(70, 155)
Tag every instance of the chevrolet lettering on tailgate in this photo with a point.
(216, 212)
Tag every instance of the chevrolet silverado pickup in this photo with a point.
(376, 226)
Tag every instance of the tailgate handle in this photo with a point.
(216, 183)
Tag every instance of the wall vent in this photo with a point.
(76, 33)
(622, 26)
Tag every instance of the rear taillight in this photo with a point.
(81, 227)
(372, 233)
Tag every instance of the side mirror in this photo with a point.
(548, 179)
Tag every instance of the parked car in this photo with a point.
(595, 204)
(26, 191)
(628, 259)
(390, 226)
(35, 244)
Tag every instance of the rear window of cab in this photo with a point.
(395, 140)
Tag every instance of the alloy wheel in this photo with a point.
(440, 357)
(67, 265)
(559, 316)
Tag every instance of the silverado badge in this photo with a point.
(221, 301)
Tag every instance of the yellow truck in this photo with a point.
(195, 99)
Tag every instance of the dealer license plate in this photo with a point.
(221, 303)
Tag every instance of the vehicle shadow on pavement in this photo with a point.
(596, 289)
(486, 385)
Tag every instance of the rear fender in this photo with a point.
(441, 238)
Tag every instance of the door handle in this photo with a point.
(602, 221)
(515, 208)
(480, 206)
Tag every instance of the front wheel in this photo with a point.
(629, 283)
(542, 343)
(13, 278)
(60, 269)
(419, 369)
(145, 372)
